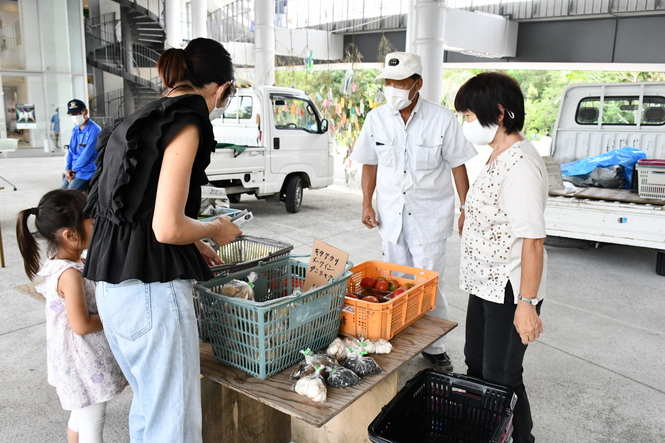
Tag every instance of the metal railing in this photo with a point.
(105, 48)
(151, 7)
(10, 36)
(234, 22)
(114, 106)
(553, 9)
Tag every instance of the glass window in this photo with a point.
(232, 110)
(653, 111)
(245, 108)
(294, 113)
(622, 110)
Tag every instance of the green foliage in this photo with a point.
(542, 93)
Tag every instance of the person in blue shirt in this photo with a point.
(82, 148)
(55, 127)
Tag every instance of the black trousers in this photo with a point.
(494, 352)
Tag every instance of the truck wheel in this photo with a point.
(234, 198)
(660, 263)
(564, 242)
(293, 194)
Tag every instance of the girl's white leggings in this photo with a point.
(89, 422)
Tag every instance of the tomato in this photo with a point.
(381, 286)
(370, 299)
(393, 284)
(367, 283)
(397, 292)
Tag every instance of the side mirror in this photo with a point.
(324, 126)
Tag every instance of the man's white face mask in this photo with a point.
(397, 99)
(78, 119)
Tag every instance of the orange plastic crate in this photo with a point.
(384, 320)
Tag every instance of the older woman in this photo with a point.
(503, 261)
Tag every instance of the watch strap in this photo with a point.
(531, 301)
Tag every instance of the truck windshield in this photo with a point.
(622, 110)
(294, 113)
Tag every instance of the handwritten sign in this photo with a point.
(325, 263)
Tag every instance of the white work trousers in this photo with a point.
(430, 256)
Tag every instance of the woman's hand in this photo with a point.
(460, 222)
(224, 231)
(208, 253)
(527, 322)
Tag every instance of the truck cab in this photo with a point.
(272, 142)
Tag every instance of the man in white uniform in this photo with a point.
(408, 150)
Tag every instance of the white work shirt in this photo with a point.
(414, 168)
(505, 205)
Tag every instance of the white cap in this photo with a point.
(401, 65)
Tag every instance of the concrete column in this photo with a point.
(428, 44)
(410, 27)
(264, 42)
(172, 13)
(199, 19)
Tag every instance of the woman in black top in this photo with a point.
(146, 243)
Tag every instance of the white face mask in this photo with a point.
(478, 134)
(397, 99)
(78, 119)
(217, 112)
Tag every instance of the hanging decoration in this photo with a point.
(309, 62)
(379, 97)
(345, 89)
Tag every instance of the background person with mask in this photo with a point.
(82, 148)
(408, 150)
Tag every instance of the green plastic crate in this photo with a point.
(265, 336)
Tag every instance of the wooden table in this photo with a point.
(239, 408)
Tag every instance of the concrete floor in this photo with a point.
(595, 375)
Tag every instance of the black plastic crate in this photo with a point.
(444, 407)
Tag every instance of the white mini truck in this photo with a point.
(272, 142)
(594, 119)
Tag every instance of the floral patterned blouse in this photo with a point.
(505, 205)
(81, 367)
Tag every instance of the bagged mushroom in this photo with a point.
(312, 386)
(336, 349)
(362, 365)
(383, 347)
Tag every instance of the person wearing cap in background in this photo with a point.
(82, 148)
(408, 150)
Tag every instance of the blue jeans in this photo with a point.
(151, 328)
(77, 183)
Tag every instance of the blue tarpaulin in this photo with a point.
(626, 157)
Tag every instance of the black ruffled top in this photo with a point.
(124, 189)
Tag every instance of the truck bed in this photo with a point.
(621, 195)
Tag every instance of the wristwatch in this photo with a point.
(531, 301)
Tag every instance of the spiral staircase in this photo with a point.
(127, 46)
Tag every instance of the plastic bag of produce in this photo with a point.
(341, 377)
(362, 365)
(241, 289)
(312, 386)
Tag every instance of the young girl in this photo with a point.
(80, 363)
